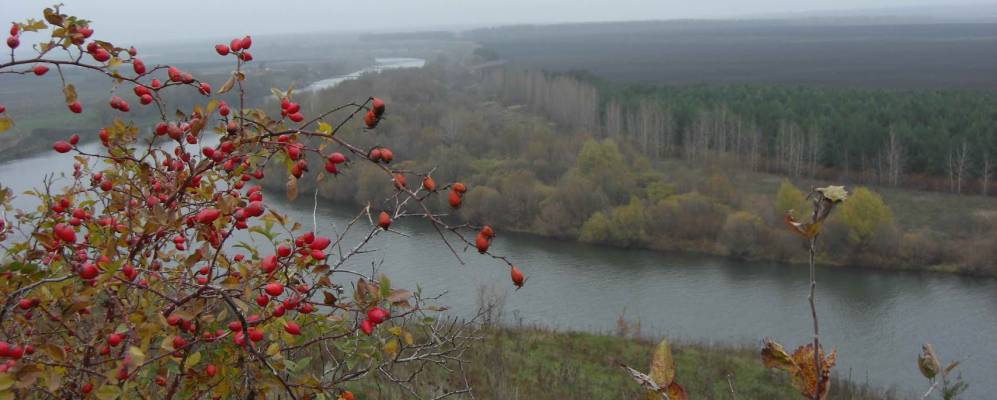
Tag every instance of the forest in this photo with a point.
(839, 53)
(547, 154)
(924, 139)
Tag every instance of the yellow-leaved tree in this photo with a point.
(865, 214)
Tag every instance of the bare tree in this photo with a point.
(613, 123)
(648, 126)
(790, 148)
(754, 147)
(958, 163)
(985, 176)
(813, 155)
(450, 124)
(894, 159)
(667, 133)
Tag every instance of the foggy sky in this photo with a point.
(154, 21)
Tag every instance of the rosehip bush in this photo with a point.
(157, 268)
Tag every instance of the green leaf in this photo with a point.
(385, 286)
(662, 365)
(302, 363)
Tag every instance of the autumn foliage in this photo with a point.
(158, 269)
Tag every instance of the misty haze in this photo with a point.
(498, 200)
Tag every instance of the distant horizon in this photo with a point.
(930, 11)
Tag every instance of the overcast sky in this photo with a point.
(146, 20)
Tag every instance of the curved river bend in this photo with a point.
(876, 319)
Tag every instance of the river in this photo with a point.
(380, 64)
(876, 319)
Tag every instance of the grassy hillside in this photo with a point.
(529, 363)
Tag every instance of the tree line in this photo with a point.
(533, 166)
(925, 139)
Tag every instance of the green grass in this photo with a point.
(530, 363)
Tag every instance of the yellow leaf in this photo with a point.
(292, 188)
(395, 330)
(114, 62)
(774, 356)
(391, 347)
(676, 392)
(324, 127)
(811, 230)
(6, 381)
(212, 105)
(662, 367)
(927, 362)
(70, 92)
(805, 377)
(137, 355)
(230, 282)
(193, 359)
(33, 26)
(52, 17)
(56, 352)
(227, 85)
(5, 124)
(399, 295)
(28, 375)
(53, 379)
(107, 392)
